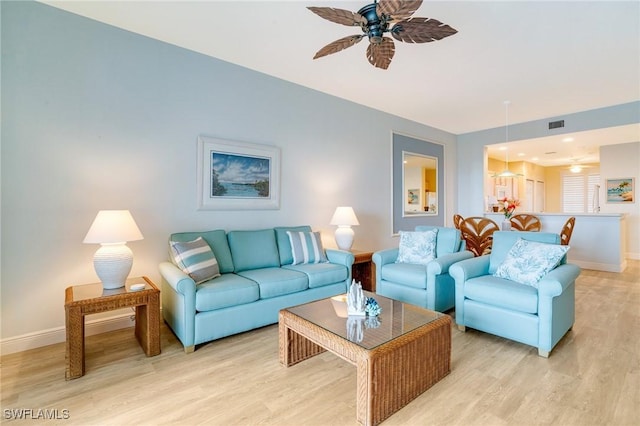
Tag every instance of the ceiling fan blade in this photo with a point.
(380, 54)
(339, 16)
(338, 45)
(421, 30)
(398, 9)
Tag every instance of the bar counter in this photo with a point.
(598, 241)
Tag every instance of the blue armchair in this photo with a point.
(538, 315)
(429, 286)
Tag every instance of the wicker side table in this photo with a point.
(364, 270)
(82, 300)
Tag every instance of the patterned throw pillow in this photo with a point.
(528, 261)
(196, 259)
(417, 247)
(306, 247)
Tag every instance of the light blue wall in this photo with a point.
(94, 117)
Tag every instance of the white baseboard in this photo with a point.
(607, 267)
(58, 335)
(634, 256)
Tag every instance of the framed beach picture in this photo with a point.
(413, 196)
(237, 175)
(620, 190)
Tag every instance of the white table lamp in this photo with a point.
(344, 217)
(113, 260)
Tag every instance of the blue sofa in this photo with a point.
(429, 286)
(537, 315)
(257, 280)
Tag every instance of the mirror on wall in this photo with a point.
(417, 181)
(420, 185)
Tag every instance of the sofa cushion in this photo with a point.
(504, 240)
(528, 261)
(503, 293)
(284, 245)
(306, 247)
(253, 249)
(277, 281)
(417, 247)
(196, 259)
(448, 240)
(411, 275)
(217, 240)
(321, 274)
(224, 291)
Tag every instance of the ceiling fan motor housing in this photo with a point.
(375, 27)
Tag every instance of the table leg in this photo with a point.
(147, 329)
(294, 348)
(74, 351)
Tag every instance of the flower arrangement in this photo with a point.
(509, 206)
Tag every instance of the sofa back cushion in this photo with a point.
(217, 240)
(504, 240)
(253, 249)
(448, 240)
(284, 245)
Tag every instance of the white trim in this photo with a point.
(607, 267)
(57, 335)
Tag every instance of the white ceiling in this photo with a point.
(549, 58)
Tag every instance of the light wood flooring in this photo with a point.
(591, 378)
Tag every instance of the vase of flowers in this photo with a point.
(509, 206)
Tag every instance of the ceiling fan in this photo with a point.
(577, 166)
(375, 20)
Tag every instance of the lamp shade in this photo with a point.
(344, 216)
(113, 260)
(113, 226)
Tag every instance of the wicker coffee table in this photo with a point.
(398, 356)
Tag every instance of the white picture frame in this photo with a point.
(236, 175)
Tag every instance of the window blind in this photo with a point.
(578, 192)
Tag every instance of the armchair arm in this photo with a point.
(469, 268)
(384, 257)
(461, 272)
(557, 280)
(441, 264)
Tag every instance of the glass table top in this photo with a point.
(396, 319)
(95, 290)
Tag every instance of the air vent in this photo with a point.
(556, 124)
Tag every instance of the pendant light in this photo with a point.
(506, 172)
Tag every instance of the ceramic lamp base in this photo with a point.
(112, 263)
(344, 237)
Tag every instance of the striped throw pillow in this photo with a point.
(306, 247)
(196, 259)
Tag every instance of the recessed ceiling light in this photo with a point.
(521, 154)
(567, 140)
(535, 159)
(502, 148)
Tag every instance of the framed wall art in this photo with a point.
(620, 190)
(237, 175)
